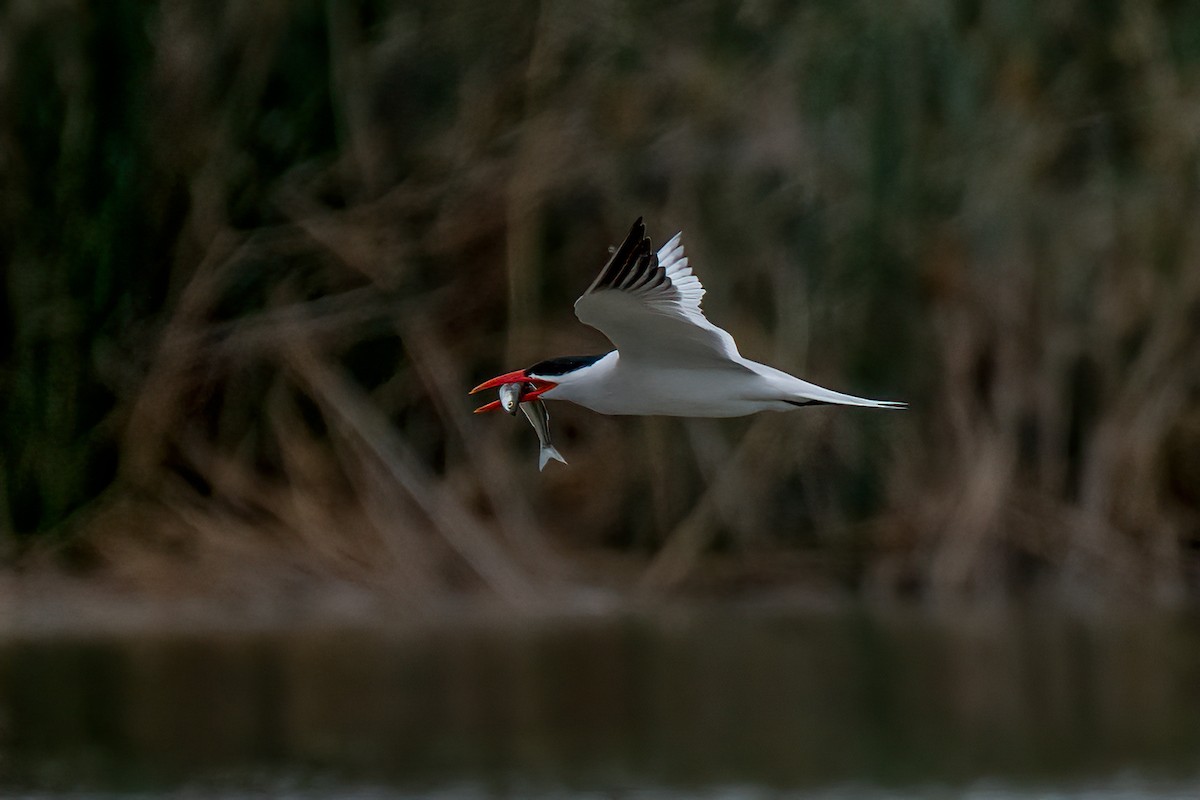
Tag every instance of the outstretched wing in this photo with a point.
(648, 305)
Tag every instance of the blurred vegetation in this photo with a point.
(254, 254)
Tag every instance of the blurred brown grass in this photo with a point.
(255, 255)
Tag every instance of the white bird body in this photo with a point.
(670, 360)
(734, 388)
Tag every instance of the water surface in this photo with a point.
(690, 703)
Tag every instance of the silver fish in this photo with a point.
(510, 395)
(535, 411)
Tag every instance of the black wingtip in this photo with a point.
(625, 258)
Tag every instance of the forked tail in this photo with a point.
(803, 393)
(830, 397)
(548, 452)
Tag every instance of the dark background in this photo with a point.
(254, 254)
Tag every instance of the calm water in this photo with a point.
(708, 704)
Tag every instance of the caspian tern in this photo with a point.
(670, 360)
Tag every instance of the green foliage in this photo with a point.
(81, 266)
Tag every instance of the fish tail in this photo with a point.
(548, 452)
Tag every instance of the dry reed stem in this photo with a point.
(683, 547)
(973, 525)
(410, 560)
(509, 501)
(342, 401)
(154, 409)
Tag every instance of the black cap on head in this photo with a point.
(562, 365)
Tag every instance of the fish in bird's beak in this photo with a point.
(510, 396)
(518, 390)
(535, 411)
(531, 389)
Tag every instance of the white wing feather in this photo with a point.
(648, 305)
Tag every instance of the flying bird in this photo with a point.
(669, 359)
